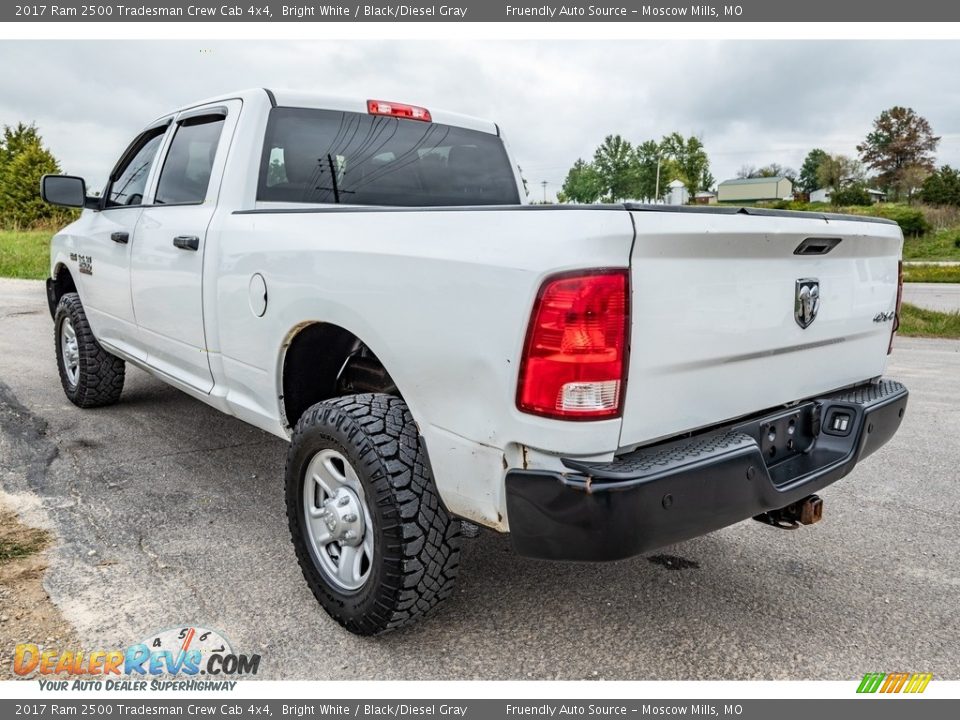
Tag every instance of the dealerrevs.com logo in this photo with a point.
(172, 659)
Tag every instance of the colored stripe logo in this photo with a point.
(894, 682)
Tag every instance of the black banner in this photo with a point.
(483, 11)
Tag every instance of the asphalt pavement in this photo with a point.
(168, 513)
(943, 297)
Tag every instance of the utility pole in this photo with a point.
(544, 183)
(657, 192)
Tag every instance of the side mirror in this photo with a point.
(64, 190)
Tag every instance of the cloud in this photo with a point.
(752, 102)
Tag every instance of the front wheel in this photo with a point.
(373, 540)
(91, 377)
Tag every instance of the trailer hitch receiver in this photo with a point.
(803, 512)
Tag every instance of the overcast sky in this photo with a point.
(752, 102)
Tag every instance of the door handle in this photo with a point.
(120, 237)
(187, 242)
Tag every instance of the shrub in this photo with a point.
(777, 204)
(791, 205)
(852, 195)
(911, 220)
(941, 217)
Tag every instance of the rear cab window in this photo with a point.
(329, 156)
(186, 171)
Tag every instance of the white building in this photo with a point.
(677, 193)
(823, 195)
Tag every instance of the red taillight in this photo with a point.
(575, 358)
(896, 314)
(400, 110)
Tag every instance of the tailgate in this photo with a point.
(717, 326)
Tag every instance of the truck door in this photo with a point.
(104, 251)
(166, 268)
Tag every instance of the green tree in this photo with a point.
(582, 184)
(839, 171)
(690, 157)
(23, 162)
(621, 171)
(808, 180)
(767, 171)
(776, 170)
(648, 157)
(17, 139)
(942, 187)
(900, 148)
(707, 180)
(615, 163)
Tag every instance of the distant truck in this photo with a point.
(364, 279)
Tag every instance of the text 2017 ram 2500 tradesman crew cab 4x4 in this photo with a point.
(364, 279)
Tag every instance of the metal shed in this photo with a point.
(750, 189)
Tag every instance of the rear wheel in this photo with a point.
(373, 540)
(91, 377)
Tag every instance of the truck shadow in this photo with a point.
(201, 495)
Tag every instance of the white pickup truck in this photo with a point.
(364, 279)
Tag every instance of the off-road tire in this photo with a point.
(101, 375)
(417, 542)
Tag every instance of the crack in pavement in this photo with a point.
(178, 453)
(26, 433)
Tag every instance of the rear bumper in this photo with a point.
(678, 490)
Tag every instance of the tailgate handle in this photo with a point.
(816, 246)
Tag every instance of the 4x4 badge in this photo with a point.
(806, 303)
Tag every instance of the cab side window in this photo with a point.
(129, 180)
(189, 164)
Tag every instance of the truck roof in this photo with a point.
(311, 99)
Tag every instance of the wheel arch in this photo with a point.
(322, 360)
(59, 284)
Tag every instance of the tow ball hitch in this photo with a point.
(803, 512)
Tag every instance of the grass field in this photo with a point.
(938, 245)
(931, 273)
(25, 253)
(918, 322)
